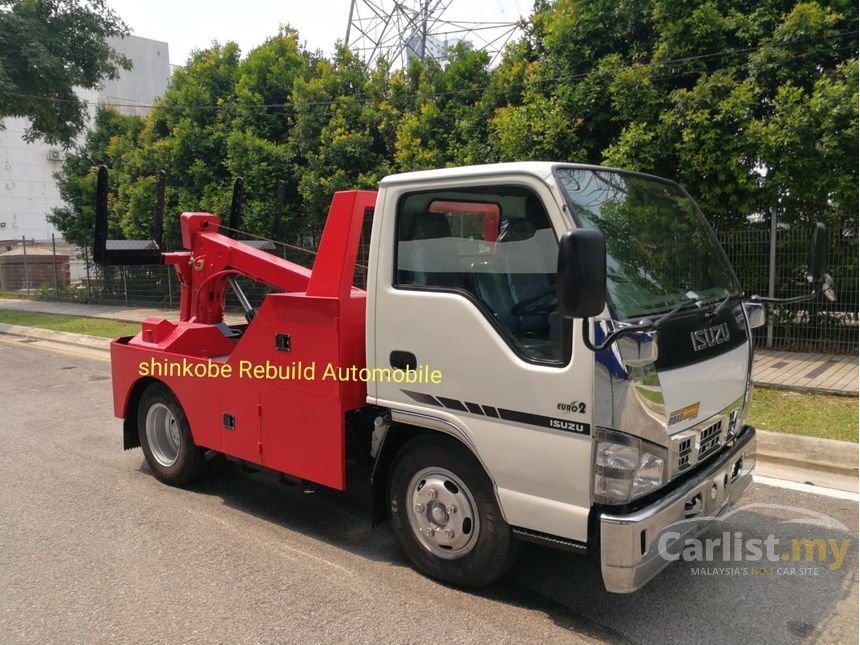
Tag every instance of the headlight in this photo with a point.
(625, 467)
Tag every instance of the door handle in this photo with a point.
(402, 360)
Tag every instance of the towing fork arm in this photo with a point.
(211, 260)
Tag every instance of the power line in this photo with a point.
(345, 100)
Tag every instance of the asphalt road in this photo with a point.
(94, 549)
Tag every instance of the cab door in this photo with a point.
(465, 286)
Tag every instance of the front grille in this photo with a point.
(685, 447)
(703, 441)
(709, 439)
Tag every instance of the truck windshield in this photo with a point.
(660, 251)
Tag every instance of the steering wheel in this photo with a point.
(542, 303)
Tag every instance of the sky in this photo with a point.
(193, 24)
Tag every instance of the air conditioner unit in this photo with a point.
(55, 155)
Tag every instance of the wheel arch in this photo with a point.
(406, 427)
(130, 434)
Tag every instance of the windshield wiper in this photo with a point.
(731, 295)
(646, 325)
(682, 305)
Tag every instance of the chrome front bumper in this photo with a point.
(629, 553)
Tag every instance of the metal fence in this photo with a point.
(767, 265)
(50, 269)
(776, 265)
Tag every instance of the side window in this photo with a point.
(362, 260)
(494, 246)
(470, 220)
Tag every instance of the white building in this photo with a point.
(28, 191)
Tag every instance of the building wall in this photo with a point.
(28, 190)
(18, 272)
(146, 81)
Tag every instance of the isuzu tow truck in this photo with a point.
(548, 352)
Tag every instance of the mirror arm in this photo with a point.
(785, 301)
(586, 337)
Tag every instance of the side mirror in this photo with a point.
(817, 276)
(818, 253)
(755, 314)
(581, 273)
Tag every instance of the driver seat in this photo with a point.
(490, 285)
(523, 286)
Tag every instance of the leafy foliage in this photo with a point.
(48, 48)
(726, 98)
(111, 134)
(752, 107)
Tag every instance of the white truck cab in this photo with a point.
(584, 449)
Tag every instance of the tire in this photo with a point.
(165, 437)
(445, 516)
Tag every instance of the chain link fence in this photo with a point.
(59, 271)
(55, 270)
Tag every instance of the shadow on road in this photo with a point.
(717, 601)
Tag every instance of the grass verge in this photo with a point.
(75, 324)
(812, 415)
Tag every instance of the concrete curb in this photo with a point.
(805, 389)
(65, 337)
(828, 455)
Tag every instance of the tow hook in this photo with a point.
(737, 468)
(693, 506)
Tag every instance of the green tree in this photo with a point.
(449, 123)
(47, 49)
(342, 137)
(749, 108)
(77, 177)
(264, 86)
(187, 135)
(257, 147)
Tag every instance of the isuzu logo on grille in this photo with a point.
(710, 336)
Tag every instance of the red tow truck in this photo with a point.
(548, 352)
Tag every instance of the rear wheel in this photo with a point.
(445, 516)
(165, 437)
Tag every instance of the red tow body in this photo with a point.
(294, 424)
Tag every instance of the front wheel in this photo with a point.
(445, 516)
(165, 437)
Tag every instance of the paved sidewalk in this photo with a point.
(827, 373)
(111, 312)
